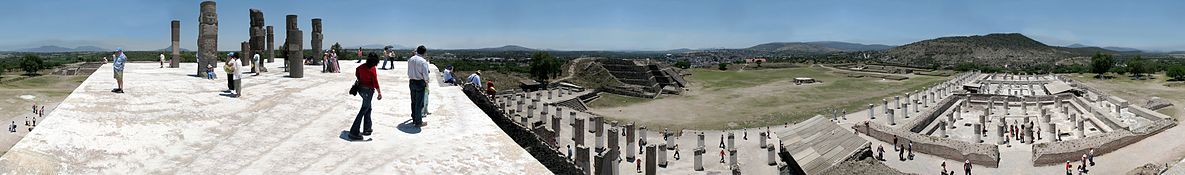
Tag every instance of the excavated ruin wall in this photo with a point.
(981, 154)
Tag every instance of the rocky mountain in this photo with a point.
(817, 47)
(170, 49)
(63, 49)
(1001, 49)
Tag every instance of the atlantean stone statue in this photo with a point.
(270, 54)
(295, 48)
(258, 35)
(316, 40)
(207, 37)
(176, 58)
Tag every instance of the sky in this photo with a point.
(1157, 25)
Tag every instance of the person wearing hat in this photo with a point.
(119, 59)
(475, 79)
(448, 75)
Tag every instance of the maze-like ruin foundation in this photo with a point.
(971, 116)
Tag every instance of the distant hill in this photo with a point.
(817, 47)
(170, 49)
(508, 48)
(1117, 49)
(380, 46)
(63, 49)
(1011, 49)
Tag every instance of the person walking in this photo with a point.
(417, 73)
(721, 155)
(119, 59)
(1069, 168)
(237, 68)
(368, 85)
(880, 152)
(910, 148)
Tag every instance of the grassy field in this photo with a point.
(1137, 92)
(753, 98)
(608, 100)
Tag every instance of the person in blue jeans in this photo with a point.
(417, 73)
(368, 84)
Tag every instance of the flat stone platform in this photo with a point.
(171, 122)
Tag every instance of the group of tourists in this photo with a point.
(367, 86)
(329, 62)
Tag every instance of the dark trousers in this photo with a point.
(230, 81)
(388, 60)
(417, 100)
(363, 117)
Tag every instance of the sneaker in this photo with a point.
(367, 132)
(119, 91)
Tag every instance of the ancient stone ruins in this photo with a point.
(294, 44)
(207, 40)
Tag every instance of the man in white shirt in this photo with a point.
(256, 65)
(237, 68)
(417, 73)
(475, 79)
(162, 60)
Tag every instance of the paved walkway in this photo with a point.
(171, 123)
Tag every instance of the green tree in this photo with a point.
(1137, 67)
(544, 66)
(337, 49)
(31, 64)
(683, 64)
(722, 66)
(1101, 63)
(1176, 72)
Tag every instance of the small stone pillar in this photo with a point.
(1052, 130)
(613, 134)
(871, 112)
(1000, 128)
(916, 109)
(977, 130)
(771, 155)
(991, 104)
(950, 120)
(642, 132)
(886, 105)
(578, 130)
(594, 121)
(666, 137)
(699, 157)
(905, 110)
(582, 161)
(732, 157)
(270, 51)
(662, 155)
(762, 139)
(630, 131)
(555, 124)
(1082, 128)
(890, 118)
(530, 114)
(650, 160)
(942, 129)
(294, 45)
(897, 102)
(550, 94)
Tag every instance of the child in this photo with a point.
(210, 72)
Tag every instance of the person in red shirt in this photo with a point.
(368, 84)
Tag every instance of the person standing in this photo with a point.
(1069, 168)
(255, 64)
(417, 73)
(368, 84)
(1091, 158)
(230, 74)
(967, 167)
(162, 60)
(119, 59)
(387, 58)
(237, 68)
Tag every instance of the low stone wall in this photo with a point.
(980, 154)
(1059, 152)
(1148, 113)
(553, 159)
(928, 116)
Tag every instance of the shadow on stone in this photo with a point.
(408, 127)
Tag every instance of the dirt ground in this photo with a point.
(1137, 92)
(751, 98)
(17, 98)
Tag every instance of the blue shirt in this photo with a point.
(119, 62)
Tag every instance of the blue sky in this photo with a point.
(602, 25)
